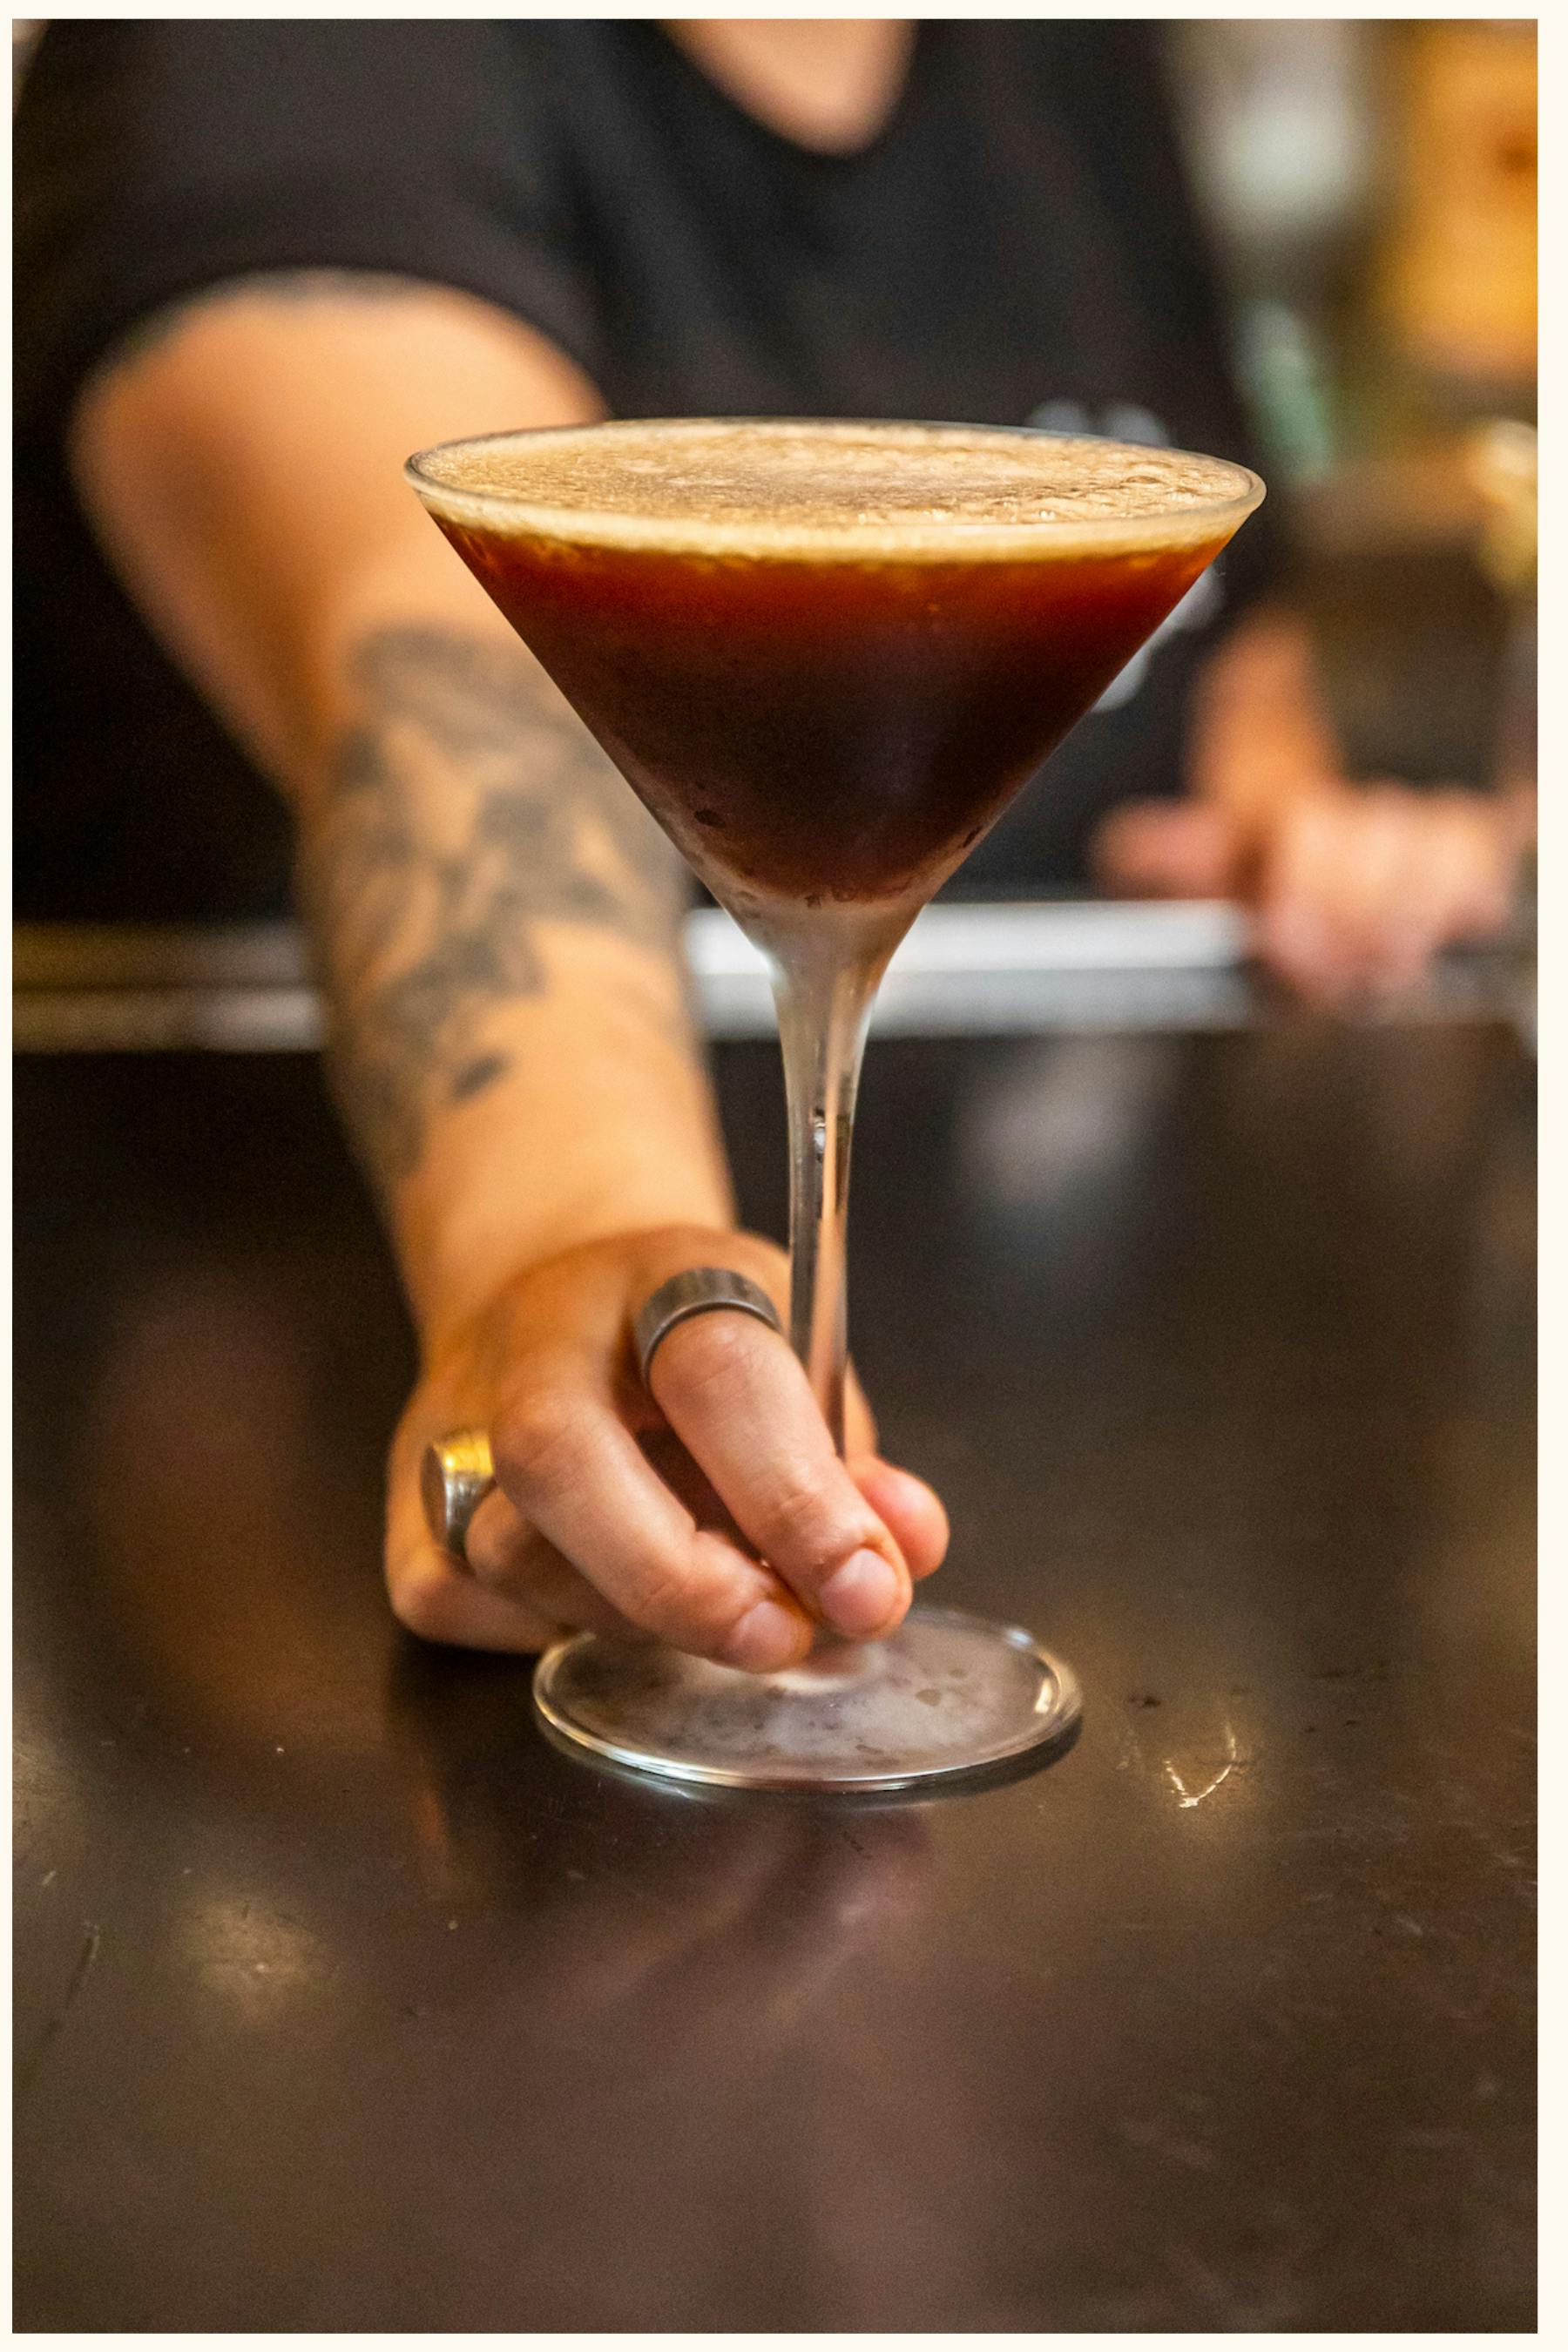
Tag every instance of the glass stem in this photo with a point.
(824, 1007)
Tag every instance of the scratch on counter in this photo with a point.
(1184, 2152)
(1187, 1798)
(51, 2035)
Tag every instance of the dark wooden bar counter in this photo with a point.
(347, 2003)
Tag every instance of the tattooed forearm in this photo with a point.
(466, 805)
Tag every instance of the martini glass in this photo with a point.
(826, 656)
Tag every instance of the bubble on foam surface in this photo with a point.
(768, 485)
(942, 1693)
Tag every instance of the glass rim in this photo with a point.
(514, 513)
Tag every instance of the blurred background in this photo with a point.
(1371, 187)
(1372, 191)
(1218, 1346)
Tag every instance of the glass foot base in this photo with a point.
(943, 1696)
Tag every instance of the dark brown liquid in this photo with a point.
(821, 729)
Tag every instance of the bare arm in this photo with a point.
(495, 923)
(476, 874)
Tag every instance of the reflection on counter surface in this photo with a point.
(1239, 1401)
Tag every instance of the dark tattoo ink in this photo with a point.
(466, 805)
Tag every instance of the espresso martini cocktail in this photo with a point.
(826, 657)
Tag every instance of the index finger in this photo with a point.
(737, 1399)
(577, 1475)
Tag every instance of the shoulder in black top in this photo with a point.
(1015, 244)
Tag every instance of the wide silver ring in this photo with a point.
(699, 1291)
(454, 1477)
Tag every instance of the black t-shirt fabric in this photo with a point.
(1016, 245)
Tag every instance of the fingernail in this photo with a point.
(860, 1597)
(766, 1638)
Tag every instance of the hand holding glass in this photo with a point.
(826, 656)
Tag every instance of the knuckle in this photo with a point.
(705, 1356)
(797, 1522)
(493, 1557)
(537, 1442)
(666, 1604)
(683, 1601)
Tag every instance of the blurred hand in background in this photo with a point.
(1354, 888)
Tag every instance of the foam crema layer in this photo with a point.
(759, 488)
